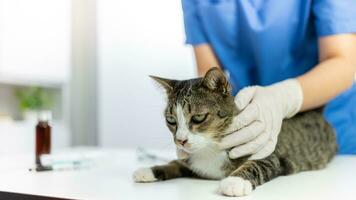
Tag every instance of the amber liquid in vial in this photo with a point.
(43, 140)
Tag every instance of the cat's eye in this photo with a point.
(197, 119)
(171, 120)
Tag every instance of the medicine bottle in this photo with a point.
(43, 135)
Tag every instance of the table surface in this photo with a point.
(111, 179)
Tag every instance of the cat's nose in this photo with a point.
(182, 142)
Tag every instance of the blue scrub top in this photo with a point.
(260, 42)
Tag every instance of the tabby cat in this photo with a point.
(204, 109)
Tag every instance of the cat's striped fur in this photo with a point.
(306, 141)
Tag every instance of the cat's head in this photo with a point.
(199, 111)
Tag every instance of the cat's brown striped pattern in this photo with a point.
(306, 141)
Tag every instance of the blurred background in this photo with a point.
(88, 62)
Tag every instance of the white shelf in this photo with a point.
(26, 81)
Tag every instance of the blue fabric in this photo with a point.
(260, 42)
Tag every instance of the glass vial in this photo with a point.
(43, 136)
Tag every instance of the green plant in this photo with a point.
(34, 98)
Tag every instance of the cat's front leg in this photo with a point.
(174, 169)
(249, 175)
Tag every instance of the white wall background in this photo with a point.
(135, 39)
(35, 40)
(83, 92)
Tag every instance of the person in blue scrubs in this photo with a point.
(300, 51)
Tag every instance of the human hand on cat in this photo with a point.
(260, 121)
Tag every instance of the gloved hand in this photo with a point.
(255, 129)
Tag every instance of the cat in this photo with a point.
(203, 109)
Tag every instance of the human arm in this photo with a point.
(196, 36)
(334, 74)
(205, 58)
(264, 108)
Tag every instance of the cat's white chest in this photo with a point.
(209, 164)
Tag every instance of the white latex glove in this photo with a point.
(260, 121)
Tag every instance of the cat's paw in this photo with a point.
(235, 186)
(144, 175)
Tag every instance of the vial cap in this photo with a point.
(44, 116)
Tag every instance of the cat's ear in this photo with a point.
(167, 84)
(216, 80)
